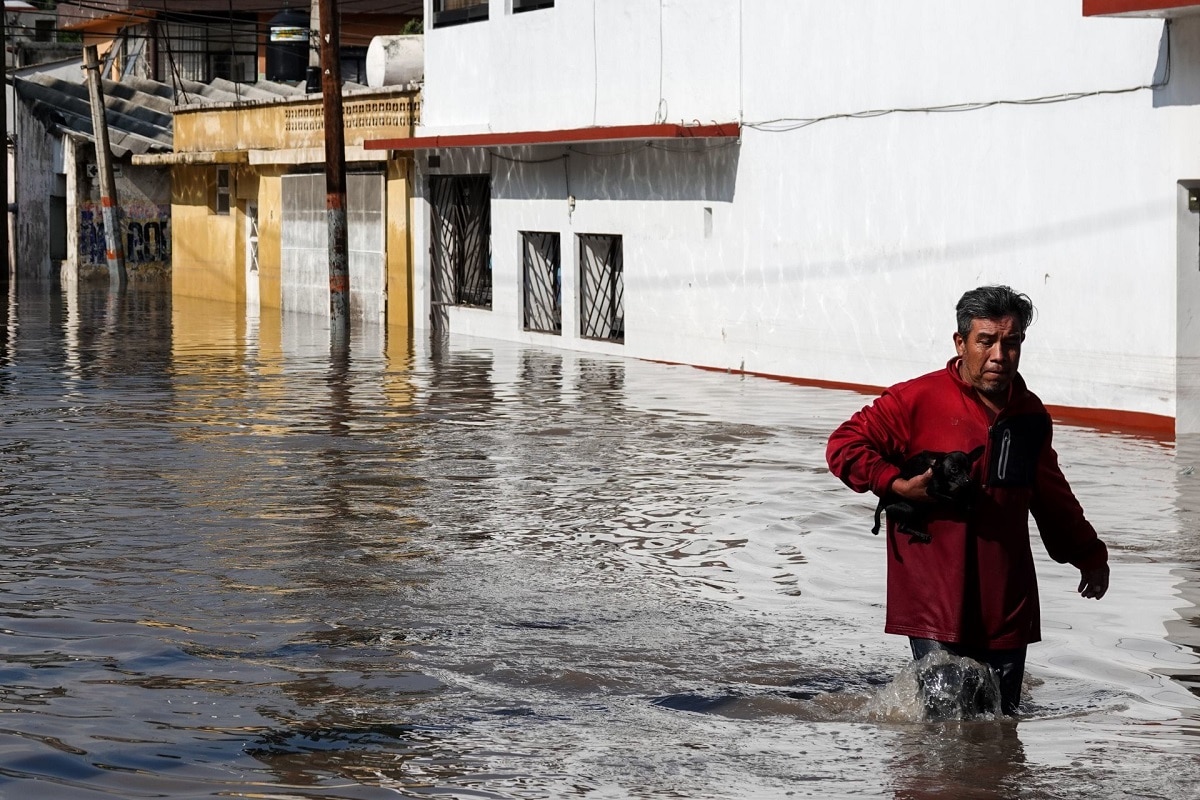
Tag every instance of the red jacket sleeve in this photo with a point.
(1068, 536)
(862, 450)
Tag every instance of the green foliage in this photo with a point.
(415, 25)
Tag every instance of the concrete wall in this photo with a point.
(33, 180)
(832, 241)
(144, 198)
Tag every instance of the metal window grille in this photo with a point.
(201, 52)
(602, 287)
(462, 240)
(222, 198)
(542, 267)
(252, 238)
(183, 53)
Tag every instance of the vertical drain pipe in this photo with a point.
(114, 252)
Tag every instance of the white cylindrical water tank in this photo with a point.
(395, 60)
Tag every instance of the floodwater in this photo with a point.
(234, 567)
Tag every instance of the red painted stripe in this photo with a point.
(1131, 423)
(1108, 420)
(613, 133)
(1144, 8)
(107, 202)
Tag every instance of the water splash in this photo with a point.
(940, 687)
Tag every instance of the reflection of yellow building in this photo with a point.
(248, 203)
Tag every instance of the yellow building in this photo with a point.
(248, 202)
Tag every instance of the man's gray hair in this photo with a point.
(993, 302)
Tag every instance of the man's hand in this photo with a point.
(914, 488)
(1093, 582)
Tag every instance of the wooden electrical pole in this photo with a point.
(114, 252)
(335, 174)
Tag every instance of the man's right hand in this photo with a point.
(914, 488)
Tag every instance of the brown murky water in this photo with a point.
(234, 568)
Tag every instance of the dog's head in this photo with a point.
(951, 480)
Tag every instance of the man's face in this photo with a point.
(990, 354)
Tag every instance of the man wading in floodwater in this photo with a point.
(971, 588)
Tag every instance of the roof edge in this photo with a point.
(610, 133)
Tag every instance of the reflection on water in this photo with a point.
(238, 566)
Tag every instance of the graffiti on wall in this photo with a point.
(145, 234)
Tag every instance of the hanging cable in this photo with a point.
(783, 124)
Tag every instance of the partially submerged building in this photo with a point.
(249, 202)
(804, 190)
(218, 136)
(59, 224)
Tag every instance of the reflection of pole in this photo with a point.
(108, 190)
(335, 173)
(4, 161)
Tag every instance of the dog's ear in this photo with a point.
(976, 453)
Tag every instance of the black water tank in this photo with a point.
(287, 46)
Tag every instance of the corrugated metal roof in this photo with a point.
(138, 110)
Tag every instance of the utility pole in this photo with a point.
(335, 175)
(108, 189)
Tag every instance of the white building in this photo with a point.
(804, 189)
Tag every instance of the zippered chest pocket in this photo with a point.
(1014, 449)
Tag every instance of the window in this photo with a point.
(462, 240)
(193, 49)
(353, 64)
(530, 5)
(542, 272)
(221, 202)
(601, 287)
(43, 30)
(456, 12)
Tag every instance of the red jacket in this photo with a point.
(974, 583)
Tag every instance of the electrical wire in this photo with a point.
(785, 125)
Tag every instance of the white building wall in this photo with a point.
(836, 250)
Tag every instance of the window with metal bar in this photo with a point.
(542, 281)
(192, 48)
(221, 199)
(462, 239)
(601, 287)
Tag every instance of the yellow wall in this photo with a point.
(399, 244)
(270, 239)
(293, 124)
(206, 261)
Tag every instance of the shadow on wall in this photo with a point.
(677, 169)
(1178, 59)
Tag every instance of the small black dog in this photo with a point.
(950, 484)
